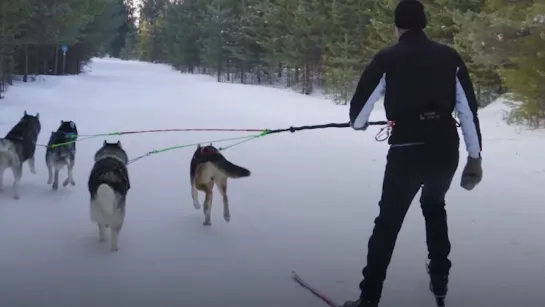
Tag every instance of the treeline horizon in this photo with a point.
(306, 45)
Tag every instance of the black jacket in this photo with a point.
(423, 83)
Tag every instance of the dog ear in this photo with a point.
(37, 115)
(105, 143)
(198, 146)
(119, 144)
(62, 121)
(72, 125)
(25, 113)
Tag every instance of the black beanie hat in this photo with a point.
(410, 15)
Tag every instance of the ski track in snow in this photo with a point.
(309, 205)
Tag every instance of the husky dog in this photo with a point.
(18, 146)
(61, 152)
(209, 167)
(108, 186)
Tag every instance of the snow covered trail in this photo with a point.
(309, 205)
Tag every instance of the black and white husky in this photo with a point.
(108, 186)
(18, 146)
(61, 152)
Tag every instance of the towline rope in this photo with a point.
(263, 133)
(269, 131)
(161, 150)
(383, 134)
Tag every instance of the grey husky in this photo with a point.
(18, 146)
(61, 152)
(108, 185)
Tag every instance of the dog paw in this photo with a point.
(50, 181)
(55, 186)
(227, 217)
(16, 197)
(207, 223)
(33, 171)
(114, 248)
(68, 181)
(196, 204)
(101, 239)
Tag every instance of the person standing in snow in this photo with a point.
(423, 83)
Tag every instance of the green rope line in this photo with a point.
(69, 142)
(195, 144)
(74, 141)
(157, 151)
(253, 137)
(90, 136)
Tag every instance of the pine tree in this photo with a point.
(344, 53)
(151, 23)
(214, 40)
(32, 32)
(125, 11)
(341, 75)
(525, 77)
(328, 42)
(505, 39)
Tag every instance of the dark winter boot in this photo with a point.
(438, 286)
(360, 303)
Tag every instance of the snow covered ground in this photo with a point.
(309, 205)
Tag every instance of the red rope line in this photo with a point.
(188, 130)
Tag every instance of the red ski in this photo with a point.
(313, 290)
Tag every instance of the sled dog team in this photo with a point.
(109, 179)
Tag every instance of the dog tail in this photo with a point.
(5, 155)
(230, 169)
(105, 198)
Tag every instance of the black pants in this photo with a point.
(408, 169)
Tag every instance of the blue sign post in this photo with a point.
(64, 49)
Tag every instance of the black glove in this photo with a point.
(472, 174)
(360, 129)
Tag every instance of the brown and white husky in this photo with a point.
(209, 167)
